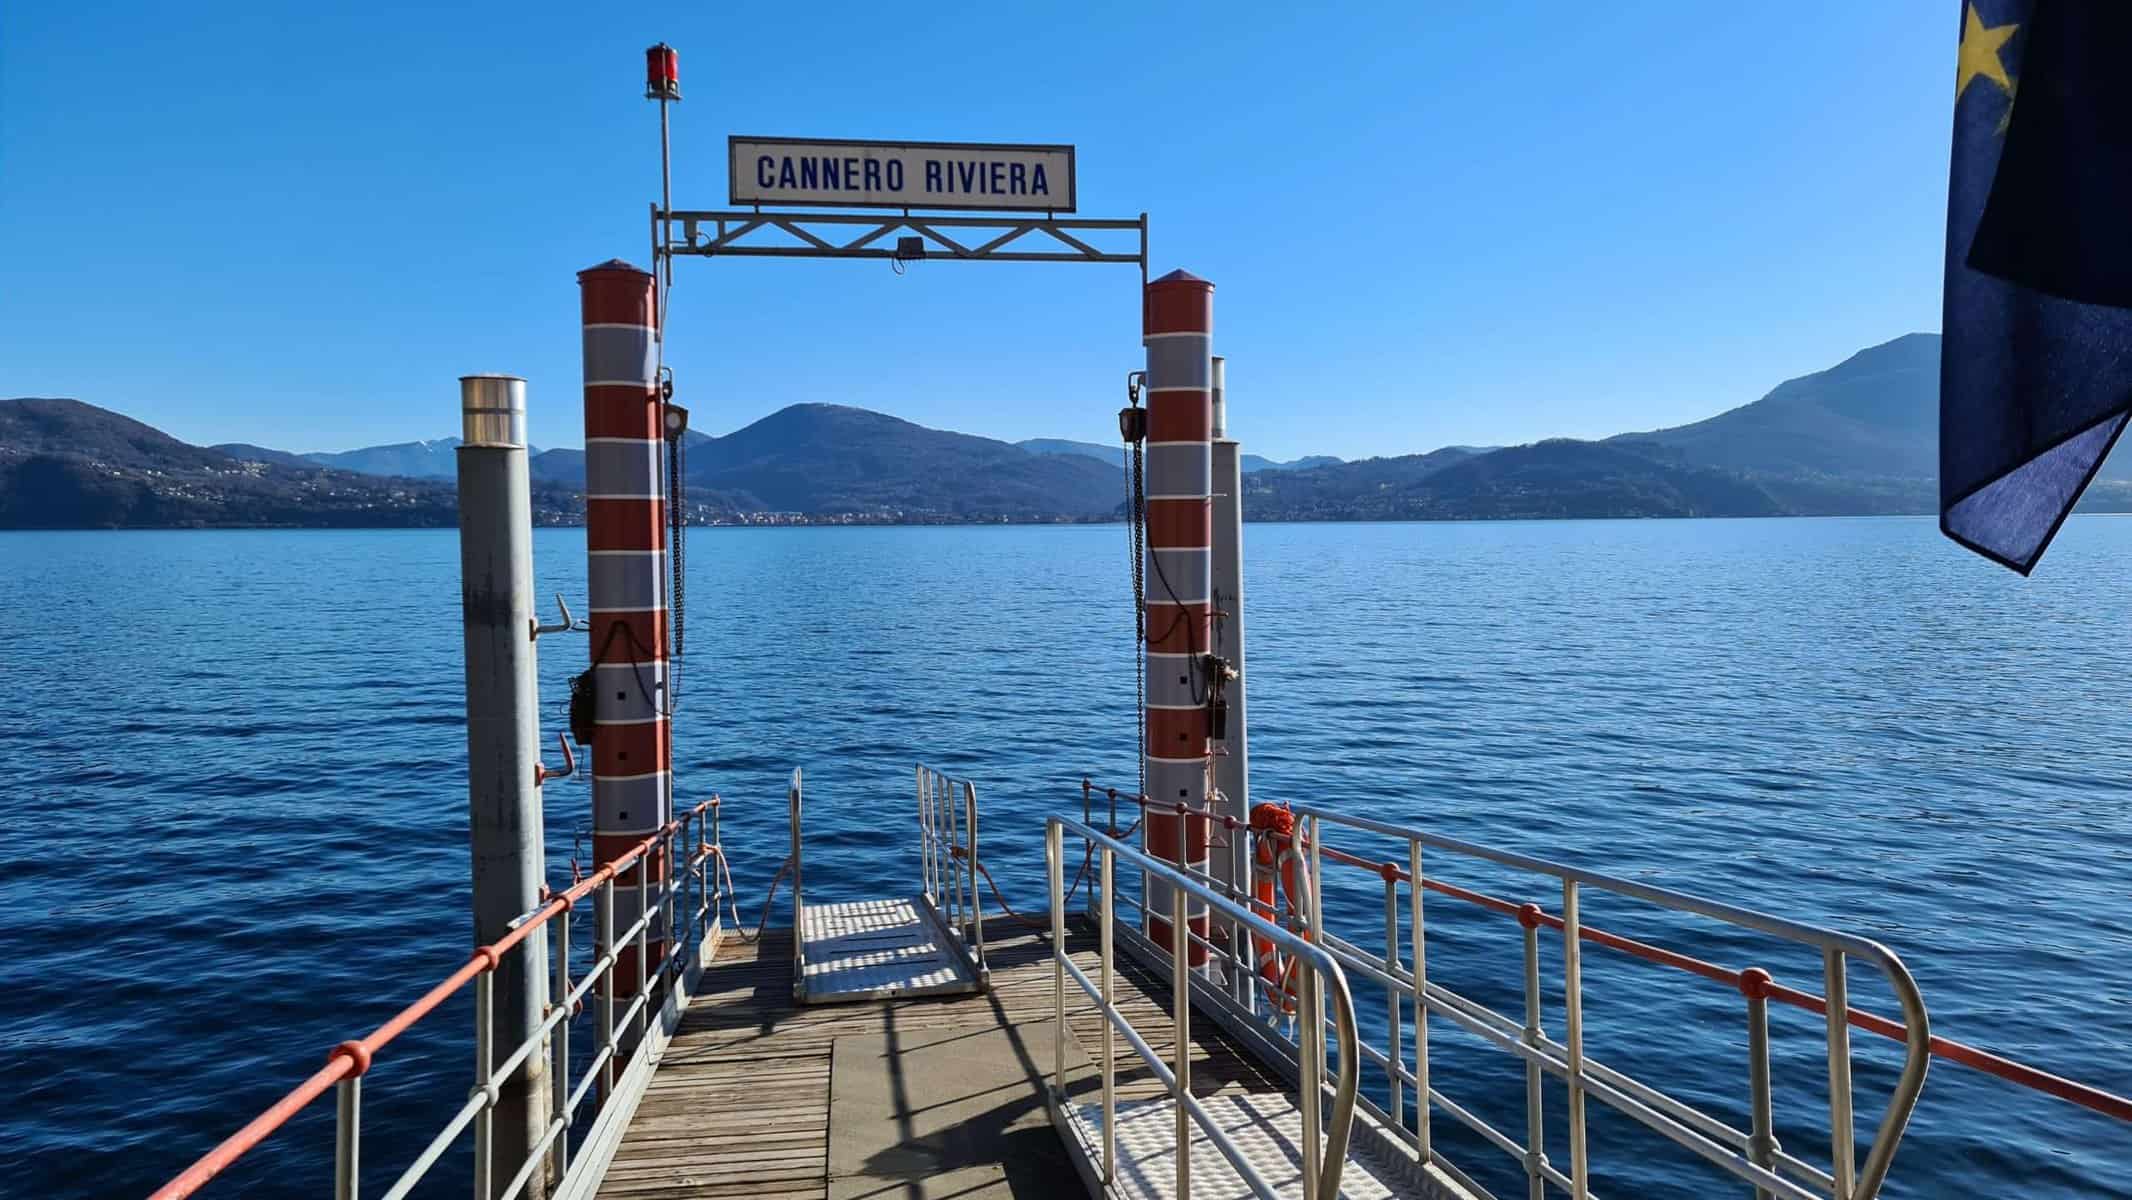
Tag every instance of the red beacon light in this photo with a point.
(662, 73)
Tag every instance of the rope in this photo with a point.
(1000, 900)
(1079, 877)
(740, 927)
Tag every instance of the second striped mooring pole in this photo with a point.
(1178, 329)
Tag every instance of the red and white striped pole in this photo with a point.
(1178, 328)
(625, 542)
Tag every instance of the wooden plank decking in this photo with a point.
(741, 1103)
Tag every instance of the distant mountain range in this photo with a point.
(432, 459)
(66, 464)
(69, 465)
(1858, 438)
(1115, 455)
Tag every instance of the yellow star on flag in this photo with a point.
(1979, 54)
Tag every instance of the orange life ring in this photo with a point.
(1274, 842)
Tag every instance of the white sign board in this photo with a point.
(827, 171)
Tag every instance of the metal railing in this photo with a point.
(1321, 980)
(687, 900)
(1964, 1054)
(1752, 1155)
(947, 858)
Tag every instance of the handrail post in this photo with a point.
(1421, 1010)
(1088, 812)
(977, 914)
(1311, 1051)
(347, 1138)
(1843, 1138)
(1054, 837)
(793, 802)
(956, 865)
(691, 891)
(484, 1067)
(1110, 1034)
(925, 840)
(1391, 994)
(1181, 1018)
(967, 877)
(643, 924)
(608, 950)
(1573, 1023)
(561, 1091)
(705, 864)
(951, 865)
(672, 938)
(1535, 1096)
(1311, 1035)
(1762, 1142)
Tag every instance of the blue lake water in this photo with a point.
(233, 819)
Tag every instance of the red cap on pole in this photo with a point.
(662, 73)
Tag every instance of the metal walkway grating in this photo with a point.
(873, 949)
(1267, 1129)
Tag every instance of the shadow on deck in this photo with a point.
(914, 1099)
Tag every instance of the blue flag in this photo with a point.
(2036, 362)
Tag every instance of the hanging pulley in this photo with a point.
(1132, 419)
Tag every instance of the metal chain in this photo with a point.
(1136, 518)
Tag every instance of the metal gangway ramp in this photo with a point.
(928, 944)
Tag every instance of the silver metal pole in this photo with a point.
(977, 914)
(1535, 1098)
(674, 942)
(561, 1079)
(1312, 1033)
(1421, 1008)
(348, 1138)
(1391, 994)
(503, 735)
(1311, 1050)
(1573, 1038)
(1110, 1035)
(1762, 1145)
(606, 949)
(485, 1173)
(1232, 771)
(795, 801)
(1843, 1138)
(961, 911)
(1181, 1017)
(925, 841)
(641, 920)
(1054, 859)
(666, 206)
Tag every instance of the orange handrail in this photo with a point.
(354, 1057)
(1747, 981)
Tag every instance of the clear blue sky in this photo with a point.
(1428, 223)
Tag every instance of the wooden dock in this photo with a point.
(915, 1099)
